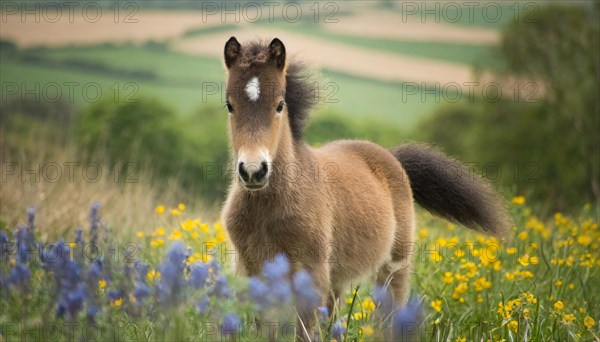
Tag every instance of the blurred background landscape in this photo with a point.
(135, 89)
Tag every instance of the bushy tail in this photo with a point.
(446, 188)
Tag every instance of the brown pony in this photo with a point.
(339, 211)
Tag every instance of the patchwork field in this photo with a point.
(173, 54)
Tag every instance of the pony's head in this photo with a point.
(264, 116)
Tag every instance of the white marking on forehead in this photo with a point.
(253, 89)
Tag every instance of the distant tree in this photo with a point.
(560, 48)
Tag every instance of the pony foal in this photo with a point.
(340, 211)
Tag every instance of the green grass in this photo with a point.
(367, 99)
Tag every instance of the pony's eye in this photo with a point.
(280, 107)
(229, 107)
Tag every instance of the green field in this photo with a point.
(452, 52)
(179, 80)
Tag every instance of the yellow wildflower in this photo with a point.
(204, 227)
(459, 253)
(367, 330)
(513, 326)
(157, 243)
(526, 275)
(176, 235)
(568, 319)
(436, 256)
(181, 207)
(187, 225)
(511, 250)
(524, 260)
(102, 283)
(160, 209)
(460, 289)
(140, 234)
(518, 200)
(448, 278)
(220, 237)
(368, 305)
(589, 322)
(559, 305)
(481, 284)
(153, 275)
(584, 240)
(523, 235)
(530, 297)
(175, 212)
(117, 303)
(497, 266)
(437, 305)
(461, 339)
(471, 269)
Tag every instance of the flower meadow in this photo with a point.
(176, 282)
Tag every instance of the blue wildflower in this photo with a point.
(231, 324)
(92, 311)
(338, 330)
(307, 297)
(94, 222)
(55, 256)
(79, 236)
(31, 218)
(221, 288)
(198, 275)
(215, 266)
(276, 269)
(19, 276)
(4, 246)
(203, 304)
(74, 300)
(259, 292)
(281, 290)
(323, 311)
(172, 277)
(141, 291)
(25, 242)
(407, 321)
(383, 300)
(141, 270)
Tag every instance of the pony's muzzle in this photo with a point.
(253, 175)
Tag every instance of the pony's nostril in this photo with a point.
(262, 172)
(242, 172)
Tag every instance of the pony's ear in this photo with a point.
(232, 51)
(277, 53)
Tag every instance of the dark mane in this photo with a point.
(301, 95)
(301, 92)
